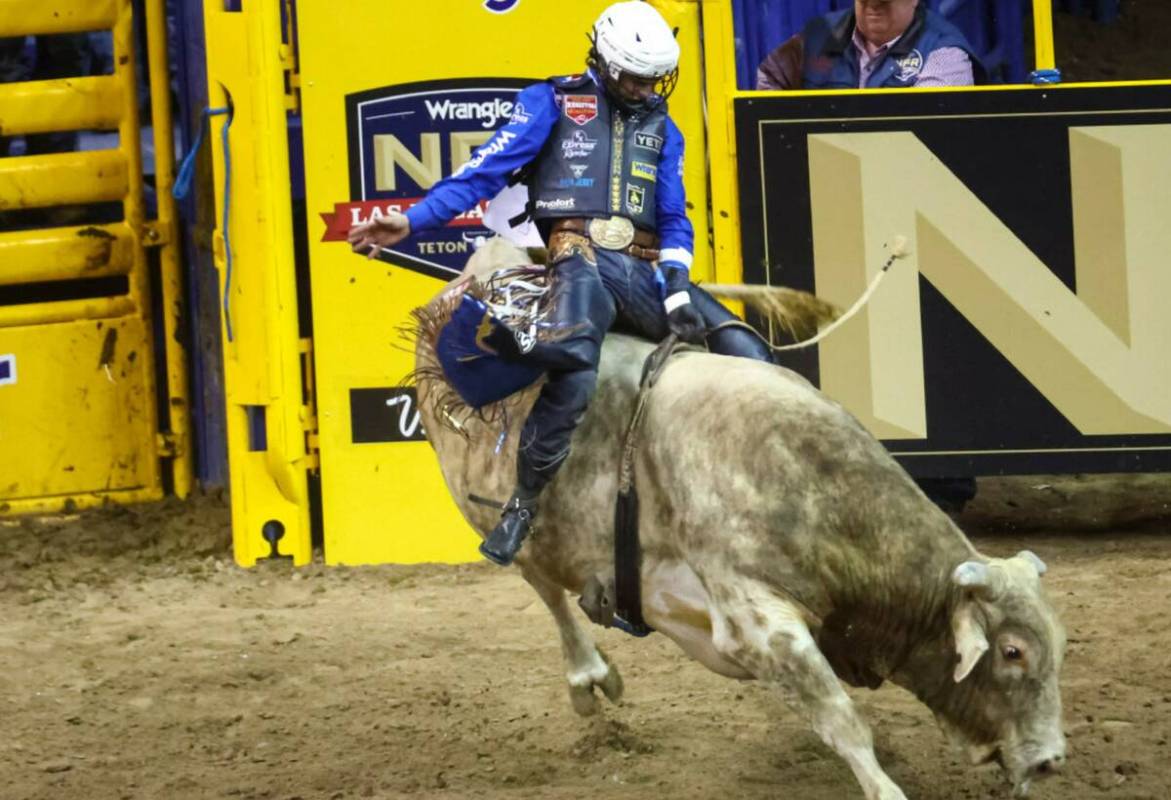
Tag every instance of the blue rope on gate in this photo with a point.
(183, 188)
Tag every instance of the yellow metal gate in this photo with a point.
(79, 410)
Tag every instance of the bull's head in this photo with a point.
(1005, 703)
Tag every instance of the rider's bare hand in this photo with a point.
(371, 237)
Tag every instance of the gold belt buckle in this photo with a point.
(615, 233)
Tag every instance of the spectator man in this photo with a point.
(876, 44)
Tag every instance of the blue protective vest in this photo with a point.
(831, 61)
(597, 161)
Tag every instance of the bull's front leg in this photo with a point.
(587, 666)
(767, 636)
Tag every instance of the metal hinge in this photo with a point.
(167, 445)
(153, 234)
(288, 53)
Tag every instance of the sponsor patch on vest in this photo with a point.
(635, 198)
(910, 66)
(578, 169)
(648, 141)
(579, 145)
(641, 169)
(581, 108)
(558, 203)
(578, 183)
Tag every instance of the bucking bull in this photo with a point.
(780, 542)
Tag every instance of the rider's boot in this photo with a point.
(504, 542)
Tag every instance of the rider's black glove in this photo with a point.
(682, 318)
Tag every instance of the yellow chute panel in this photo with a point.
(382, 125)
(74, 411)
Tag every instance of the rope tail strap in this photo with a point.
(899, 250)
(182, 189)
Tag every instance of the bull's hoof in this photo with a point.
(889, 791)
(602, 675)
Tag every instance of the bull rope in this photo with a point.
(752, 296)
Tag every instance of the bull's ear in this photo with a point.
(971, 642)
(1032, 558)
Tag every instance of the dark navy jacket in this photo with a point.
(831, 60)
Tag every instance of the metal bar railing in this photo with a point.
(21, 18)
(58, 179)
(65, 311)
(55, 254)
(1046, 55)
(66, 104)
(171, 273)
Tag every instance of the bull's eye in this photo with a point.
(1012, 653)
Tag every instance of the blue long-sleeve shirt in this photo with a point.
(519, 142)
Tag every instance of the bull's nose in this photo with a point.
(1048, 766)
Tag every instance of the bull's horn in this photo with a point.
(1035, 560)
(978, 575)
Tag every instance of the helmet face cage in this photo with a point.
(611, 74)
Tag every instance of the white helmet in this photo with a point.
(633, 37)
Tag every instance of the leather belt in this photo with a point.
(645, 245)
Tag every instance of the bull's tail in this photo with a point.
(798, 313)
(801, 314)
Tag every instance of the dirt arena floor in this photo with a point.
(136, 661)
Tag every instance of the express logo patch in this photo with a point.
(635, 198)
(581, 108)
(648, 141)
(641, 169)
(579, 145)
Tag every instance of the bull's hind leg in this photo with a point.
(587, 666)
(767, 636)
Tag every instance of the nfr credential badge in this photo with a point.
(404, 139)
(910, 66)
